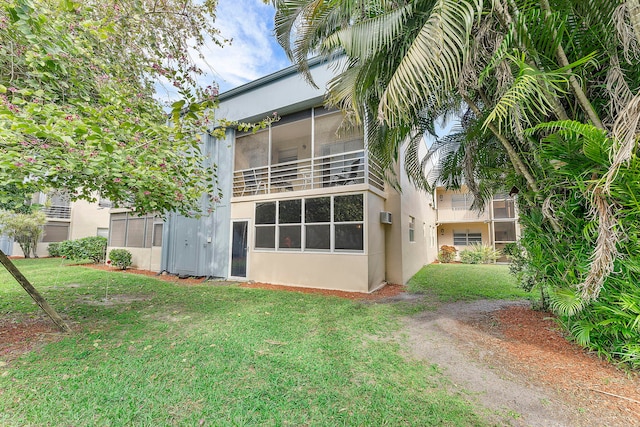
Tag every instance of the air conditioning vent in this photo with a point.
(385, 217)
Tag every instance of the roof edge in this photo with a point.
(292, 69)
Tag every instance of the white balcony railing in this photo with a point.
(57, 211)
(320, 172)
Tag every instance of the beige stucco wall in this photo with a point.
(347, 272)
(376, 241)
(86, 218)
(445, 232)
(143, 258)
(405, 258)
(393, 239)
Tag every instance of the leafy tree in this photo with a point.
(16, 198)
(547, 98)
(25, 228)
(77, 106)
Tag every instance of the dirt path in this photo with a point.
(522, 369)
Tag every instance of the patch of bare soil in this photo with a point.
(161, 276)
(114, 299)
(20, 335)
(517, 363)
(388, 291)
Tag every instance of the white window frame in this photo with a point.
(331, 223)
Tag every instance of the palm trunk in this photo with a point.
(573, 82)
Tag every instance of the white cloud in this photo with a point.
(253, 52)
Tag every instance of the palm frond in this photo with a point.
(526, 95)
(433, 61)
(566, 302)
(364, 39)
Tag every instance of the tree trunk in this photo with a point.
(11, 268)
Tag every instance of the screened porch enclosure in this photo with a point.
(302, 151)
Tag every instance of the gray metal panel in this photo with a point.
(6, 245)
(200, 247)
(221, 224)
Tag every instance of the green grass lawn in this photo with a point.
(164, 354)
(466, 282)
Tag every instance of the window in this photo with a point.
(265, 225)
(157, 233)
(290, 213)
(317, 213)
(314, 224)
(55, 232)
(348, 214)
(466, 238)
(504, 231)
(130, 231)
(461, 202)
(503, 207)
(412, 229)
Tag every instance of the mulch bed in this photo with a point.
(534, 345)
(385, 292)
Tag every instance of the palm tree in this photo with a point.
(547, 94)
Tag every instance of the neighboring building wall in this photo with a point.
(84, 219)
(446, 233)
(460, 226)
(140, 235)
(88, 219)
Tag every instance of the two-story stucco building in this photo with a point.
(303, 203)
(460, 226)
(66, 220)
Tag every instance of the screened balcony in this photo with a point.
(304, 151)
(55, 205)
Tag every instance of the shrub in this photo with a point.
(447, 253)
(120, 258)
(469, 256)
(93, 248)
(54, 249)
(477, 253)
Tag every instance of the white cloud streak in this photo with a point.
(253, 52)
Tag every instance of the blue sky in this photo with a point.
(254, 51)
